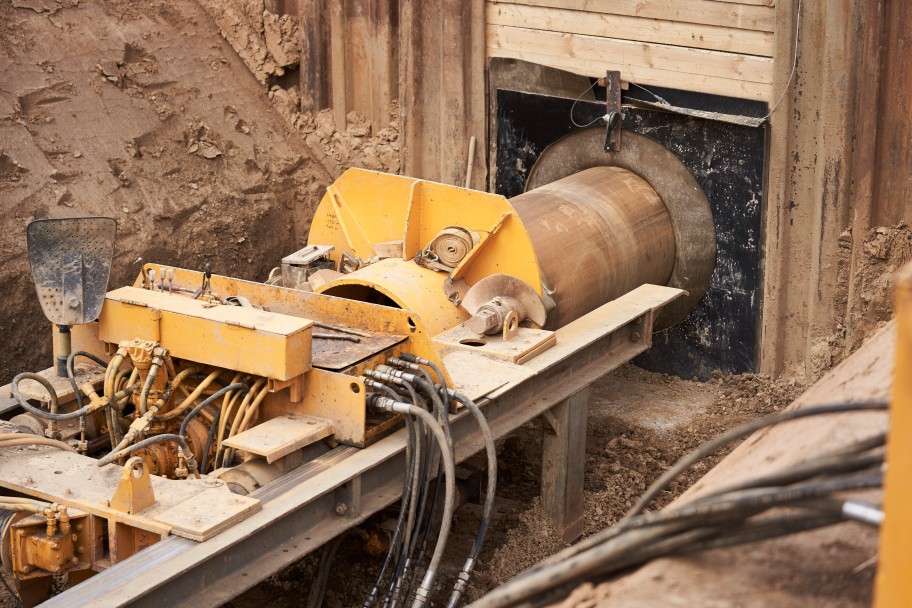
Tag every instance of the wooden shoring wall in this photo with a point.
(349, 58)
(363, 55)
(840, 162)
(723, 47)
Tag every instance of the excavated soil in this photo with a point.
(639, 424)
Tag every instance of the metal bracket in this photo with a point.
(613, 112)
(134, 492)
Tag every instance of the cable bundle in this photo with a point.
(795, 499)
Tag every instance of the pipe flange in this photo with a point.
(691, 216)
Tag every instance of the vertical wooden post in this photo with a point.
(564, 464)
(314, 95)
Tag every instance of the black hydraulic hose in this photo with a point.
(428, 363)
(426, 523)
(424, 590)
(412, 534)
(210, 437)
(462, 579)
(409, 564)
(237, 386)
(737, 433)
(400, 521)
(52, 394)
(71, 371)
(318, 589)
(441, 410)
(832, 465)
(181, 441)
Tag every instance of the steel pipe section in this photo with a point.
(598, 234)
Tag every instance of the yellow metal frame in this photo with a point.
(365, 208)
(894, 583)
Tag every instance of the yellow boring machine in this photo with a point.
(198, 432)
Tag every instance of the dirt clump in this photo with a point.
(269, 44)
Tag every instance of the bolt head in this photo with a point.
(341, 508)
(74, 303)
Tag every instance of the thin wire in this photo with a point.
(794, 63)
(658, 97)
(575, 101)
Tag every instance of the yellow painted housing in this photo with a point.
(247, 340)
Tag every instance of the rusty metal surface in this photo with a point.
(691, 217)
(598, 233)
(337, 355)
(71, 262)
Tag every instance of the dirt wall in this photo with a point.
(142, 112)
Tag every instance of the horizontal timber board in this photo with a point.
(706, 12)
(675, 33)
(645, 75)
(517, 41)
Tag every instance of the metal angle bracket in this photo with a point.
(613, 113)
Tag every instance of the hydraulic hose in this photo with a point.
(52, 394)
(400, 521)
(180, 441)
(157, 363)
(462, 581)
(239, 386)
(188, 401)
(8, 440)
(387, 404)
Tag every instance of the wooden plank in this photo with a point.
(281, 436)
(314, 90)
(707, 12)
(755, 2)
(710, 37)
(358, 58)
(208, 513)
(520, 40)
(564, 465)
(596, 67)
(337, 67)
(384, 84)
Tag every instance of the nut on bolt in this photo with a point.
(635, 336)
(341, 508)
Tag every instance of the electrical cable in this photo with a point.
(721, 518)
(645, 537)
(737, 433)
(573, 107)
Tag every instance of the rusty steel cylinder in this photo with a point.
(598, 234)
